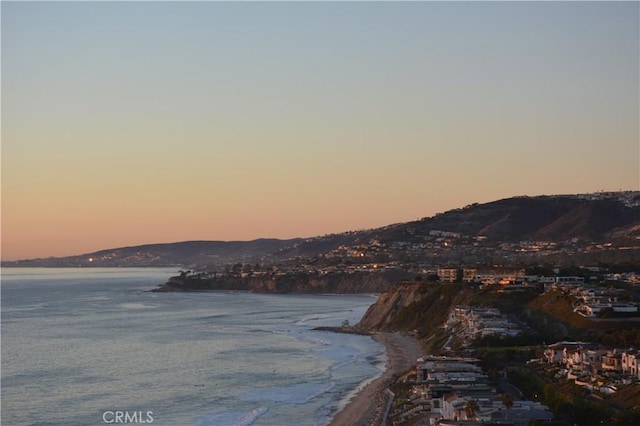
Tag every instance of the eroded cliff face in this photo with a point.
(416, 307)
(382, 314)
(339, 283)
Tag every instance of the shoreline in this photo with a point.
(368, 405)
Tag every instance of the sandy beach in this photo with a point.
(367, 407)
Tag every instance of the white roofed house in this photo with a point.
(452, 407)
(558, 353)
(572, 358)
(592, 360)
(486, 279)
(447, 275)
(570, 281)
(553, 354)
(629, 363)
(469, 275)
(612, 362)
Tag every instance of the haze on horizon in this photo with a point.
(148, 122)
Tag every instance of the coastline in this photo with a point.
(367, 407)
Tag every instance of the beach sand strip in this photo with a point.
(368, 406)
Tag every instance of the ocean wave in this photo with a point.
(316, 340)
(266, 330)
(339, 353)
(296, 394)
(342, 364)
(137, 306)
(214, 317)
(232, 418)
(258, 330)
(315, 317)
(35, 307)
(303, 321)
(312, 336)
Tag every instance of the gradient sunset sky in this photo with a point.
(133, 123)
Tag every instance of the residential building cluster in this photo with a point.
(626, 277)
(452, 389)
(591, 365)
(504, 276)
(301, 267)
(441, 246)
(469, 323)
(518, 279)
(628, 198)
(591, 301)
(594, 300)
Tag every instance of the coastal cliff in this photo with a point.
(338, 283)
(419, 307)
(390, 303)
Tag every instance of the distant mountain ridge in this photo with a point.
(547, 218)
(166, 254)
(554, 218)
(596, 218)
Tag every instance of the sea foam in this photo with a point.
(296, 394)
(232, 418)
(135, 305)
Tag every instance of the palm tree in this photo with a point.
(507, 401)
(471, 408)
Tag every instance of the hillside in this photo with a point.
(334, 283)
(571, 229)
(588, 222)
(546, 218)
(168, 254)
(422, 307)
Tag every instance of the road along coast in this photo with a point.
(368, 407)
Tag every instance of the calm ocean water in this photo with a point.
(83, 346)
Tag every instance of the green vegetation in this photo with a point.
(558, 306)
(553, 317)
(628, 398)
(626, 337)
(507, 401)
(508, 303)
(566, 400)
(610, 313)
(471, 408)
(401, 390)
(427, 315)
(496, 358)
(521, 340)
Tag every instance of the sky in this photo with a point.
(127, 123)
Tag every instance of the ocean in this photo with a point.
(95, 347)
